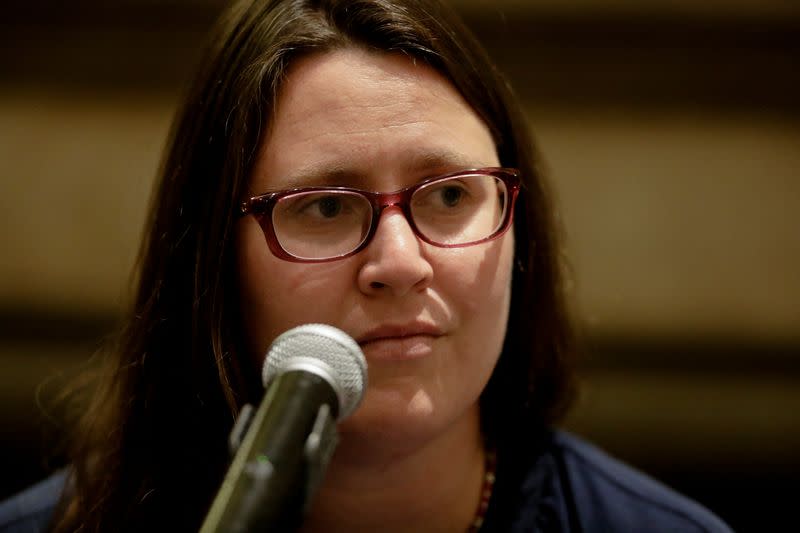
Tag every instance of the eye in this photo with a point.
(446, 195)
(451, 195)
(319, 206)
(329, 206)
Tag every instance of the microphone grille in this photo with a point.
(328, 352)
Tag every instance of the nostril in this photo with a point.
(377, 285)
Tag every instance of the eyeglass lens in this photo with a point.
(329, 223)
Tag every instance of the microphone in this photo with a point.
(314, 375)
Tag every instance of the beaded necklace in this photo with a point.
(486, 492)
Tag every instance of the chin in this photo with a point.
(388, 422)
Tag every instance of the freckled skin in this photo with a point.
(384, 123)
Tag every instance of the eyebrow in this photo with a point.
(333, 175)
(429, 163)
(439, 160)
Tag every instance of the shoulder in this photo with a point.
(30, 510)
(616, 497)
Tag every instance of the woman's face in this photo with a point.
(381, 122)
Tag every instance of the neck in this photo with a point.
(435, 487)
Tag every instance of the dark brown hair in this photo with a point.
(150, 451)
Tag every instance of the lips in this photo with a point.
(393, 342)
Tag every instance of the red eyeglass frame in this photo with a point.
(262, 205)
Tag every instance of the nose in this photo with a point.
(394, 260)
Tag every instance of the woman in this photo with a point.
(454, 296)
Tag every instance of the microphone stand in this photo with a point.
(261, 492)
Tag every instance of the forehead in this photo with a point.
(351, 79)
(361, 115)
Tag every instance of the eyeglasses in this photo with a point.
(317, 224)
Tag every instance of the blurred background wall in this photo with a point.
(672, 136)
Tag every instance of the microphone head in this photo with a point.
(325, 351)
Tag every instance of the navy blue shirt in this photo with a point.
(571, 486)
(566, 486)
(30, 510)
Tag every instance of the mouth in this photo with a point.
(399, 342)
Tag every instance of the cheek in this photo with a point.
(267, 290)
(479, 279)
(276, 295)
(485, 309)
(253, 285)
